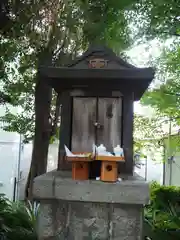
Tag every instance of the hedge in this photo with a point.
(162, 216)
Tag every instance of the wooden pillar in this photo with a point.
(127, 133)
(65, 130)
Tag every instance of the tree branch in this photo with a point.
(172, 94)
(58, 50)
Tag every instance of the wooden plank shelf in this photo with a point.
(81, 167)
(80, 159)
(99, 158)
(110, 158)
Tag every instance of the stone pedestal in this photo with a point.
(89, 210)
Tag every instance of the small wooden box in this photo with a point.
(109, 167)
(80, 167)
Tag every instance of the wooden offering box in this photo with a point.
(109, 167)
(80, 167)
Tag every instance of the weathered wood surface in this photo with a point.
(83, 130)
(109, 116)
(108, 113)
(128, 133)
(86, 112)
(65, 130)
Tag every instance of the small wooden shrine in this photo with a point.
(97, 94)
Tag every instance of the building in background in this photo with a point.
(25, 161)
(150, 167)
(9, 145)
(15, 159)
(172, 159)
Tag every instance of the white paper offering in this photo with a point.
(70, 154)
(95, 151)
(94, 148)
(109, 154)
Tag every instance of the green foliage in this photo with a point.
(162, 21)
(156, 19)
(17, 221)
(61, 30)
(164, 102)
(161, 196)
(149, 136)
(163, 213)
(172, 145)
(165, 97)
(152, 127)
(52, 32)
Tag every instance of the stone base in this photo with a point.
(89, 210)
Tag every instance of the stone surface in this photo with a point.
(112, 218)
(56, 185)
(127, 221)
(89, 221)
(52, 219)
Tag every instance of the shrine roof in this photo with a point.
(103, 65)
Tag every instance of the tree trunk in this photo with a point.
(43, 95)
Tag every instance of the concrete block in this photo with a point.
(89, 210)
(89, 222)
(52, 219)
(58, 186)
(43, 186)
(127, 222)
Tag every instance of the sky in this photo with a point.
(140, 56)
(143, 110)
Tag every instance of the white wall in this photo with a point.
(9, 157)
(26, 161)
(154, 171)
(152, 168)
(8, 161)
(175, 177)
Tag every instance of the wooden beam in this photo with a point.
(127, 135)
